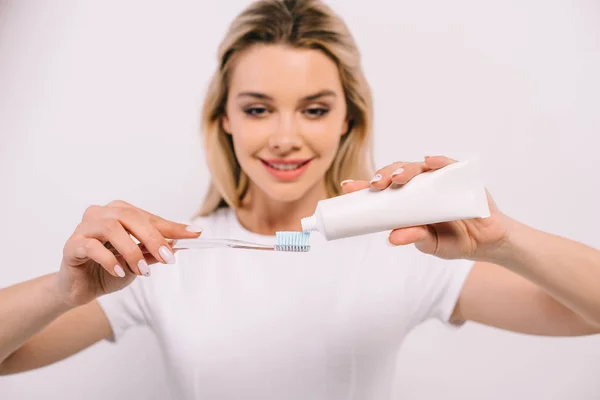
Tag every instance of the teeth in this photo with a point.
(285, 167)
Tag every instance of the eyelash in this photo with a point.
(251, 111)
(320, 112)
(315, 112)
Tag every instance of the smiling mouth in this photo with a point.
(285, 166)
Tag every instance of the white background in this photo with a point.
(100, 100)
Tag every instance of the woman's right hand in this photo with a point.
(101, 257)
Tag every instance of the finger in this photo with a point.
(111, 231)
(174, 230)
(383, 176)
(437, 162)
(148, 257)
(402, 175)
(171, 229)
(404, 236)
(423, 237)
(350, 186)
(141, 246)
(98, 212)
(143, 230)
(137, 222)
(168, 229)
(120, 204)
(146, 251)
(429, 243)
(92, 249)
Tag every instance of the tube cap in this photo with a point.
(309, 224)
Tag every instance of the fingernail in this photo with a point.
(193, 229)
(144, 268)
(376, 178)
(119, 271)
(397, 172)
(346, 181)
(166, 255)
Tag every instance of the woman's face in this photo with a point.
(286, 112)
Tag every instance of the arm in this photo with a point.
(547, 285)
(49, 318)
(39, 328)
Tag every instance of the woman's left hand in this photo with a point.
(475, 239)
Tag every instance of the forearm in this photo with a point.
(25, 309)
(569, 271)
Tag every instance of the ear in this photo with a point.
(225, 124)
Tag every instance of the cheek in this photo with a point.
(245, 147)
(248, 136)
(324, 135)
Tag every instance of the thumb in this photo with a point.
(423, 237)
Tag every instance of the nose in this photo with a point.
(286, 137)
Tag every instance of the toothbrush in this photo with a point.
(285, 241)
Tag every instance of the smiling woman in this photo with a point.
(284, 88)
(296, 120)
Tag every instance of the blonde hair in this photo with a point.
(300, 24)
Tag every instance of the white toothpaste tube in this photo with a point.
(447, 194)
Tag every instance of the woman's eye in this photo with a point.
(256, 111)
(316, 112)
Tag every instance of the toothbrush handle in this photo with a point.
(200, 243)
(196, 244)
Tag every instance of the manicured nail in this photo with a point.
(119, 271)
(376, 178)
(166, 255)
(193, 229)
(346, 181)
(397, 172)
(144, 268)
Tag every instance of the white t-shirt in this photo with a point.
(326, 324)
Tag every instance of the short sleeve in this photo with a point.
(127, 308)
(435, 287)
(430, 285)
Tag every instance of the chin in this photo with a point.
(286, 193)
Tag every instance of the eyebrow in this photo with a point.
(311, 97)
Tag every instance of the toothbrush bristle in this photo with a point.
(292, 241)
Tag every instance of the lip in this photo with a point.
(285, 161)
(286, 175)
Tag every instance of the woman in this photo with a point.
(286, 119)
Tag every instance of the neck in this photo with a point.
(263, 215)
